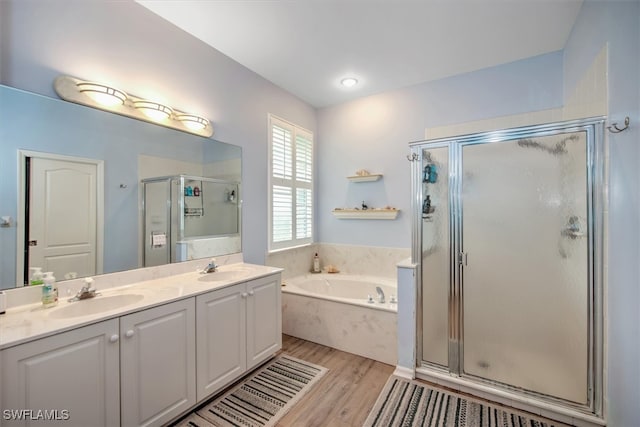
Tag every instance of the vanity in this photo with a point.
(159, 340)
(141, 353)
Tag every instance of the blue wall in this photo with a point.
(616, 24)
(373, 133)
(39, 123)
(126, 45)
(39, 42)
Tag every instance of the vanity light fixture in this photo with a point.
(108, 98)
(103, 94)
(153, 110)
(349, 82)
(192, 121)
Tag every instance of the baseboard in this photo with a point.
(404, 372)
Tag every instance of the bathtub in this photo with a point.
(334, 310)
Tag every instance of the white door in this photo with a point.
(73, 376)
(158, 363)
(63, 217)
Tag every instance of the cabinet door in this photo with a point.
(157, 357)
(264, 319)
(220, 331)
(72, 377)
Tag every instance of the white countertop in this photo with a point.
(28, 322)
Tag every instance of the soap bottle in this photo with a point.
(316, 263)
(49, 290)
(426, 205)
(36, 276)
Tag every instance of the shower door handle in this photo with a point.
(463, 258)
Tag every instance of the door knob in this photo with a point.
(129, 333)
(114, 338)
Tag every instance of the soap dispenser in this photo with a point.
(36, 276)
(316, 263)
(49, 290)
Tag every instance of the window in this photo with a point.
(291, 185)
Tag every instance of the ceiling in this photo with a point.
(307, 46)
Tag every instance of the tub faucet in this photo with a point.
(380, 294)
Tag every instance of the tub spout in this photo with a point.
(380, 294)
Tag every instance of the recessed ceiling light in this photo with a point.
(348, 82)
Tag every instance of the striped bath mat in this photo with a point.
(409, 403)
(261, 399)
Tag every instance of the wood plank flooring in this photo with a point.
(346, 393)
(344, 396)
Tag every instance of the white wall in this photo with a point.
(617, 24)
(122, 43)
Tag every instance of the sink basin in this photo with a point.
(227, 275)
(94, 305)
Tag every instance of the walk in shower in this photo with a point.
(189, 217)
(508, 236)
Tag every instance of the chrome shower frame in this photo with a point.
(596, 182)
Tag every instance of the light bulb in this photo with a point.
(348, 82)
(102, 94)
(153, 110)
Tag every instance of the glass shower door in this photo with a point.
(435, 256)
(525, 254)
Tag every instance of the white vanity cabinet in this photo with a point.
(157, 363)
(220, 331)
(264, 319)
(142, 368)
(74, 375)
(237, 328)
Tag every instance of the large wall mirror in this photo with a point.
(72, 191)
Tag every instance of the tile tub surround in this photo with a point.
(31, 321)
(295, 261)
(351, 259)
(359, 330)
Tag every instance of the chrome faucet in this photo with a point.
(212, 267)
(380, 294)
(87, 291)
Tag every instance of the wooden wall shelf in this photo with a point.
(365, 178)
(366, 214)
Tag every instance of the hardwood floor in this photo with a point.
(347, 392)
(344, 396)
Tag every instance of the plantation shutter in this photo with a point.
(291, 186)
